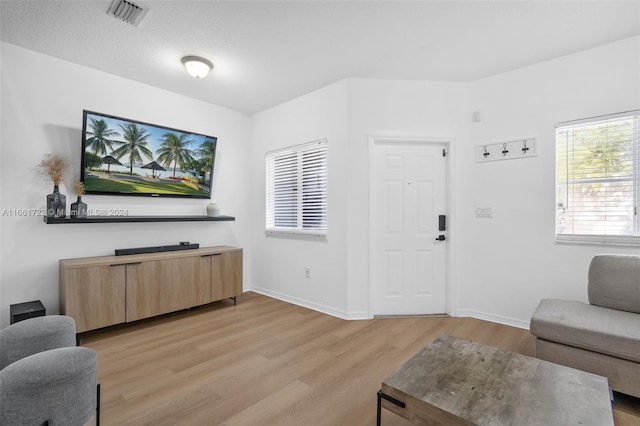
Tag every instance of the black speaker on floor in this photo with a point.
(26, 310)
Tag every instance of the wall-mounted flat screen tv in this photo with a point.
(121, 156)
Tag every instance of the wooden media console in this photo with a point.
(108, 290)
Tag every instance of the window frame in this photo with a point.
(299, 160)
(611, 239)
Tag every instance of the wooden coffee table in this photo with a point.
(454, 381)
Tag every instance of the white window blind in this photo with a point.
(598, 179)
(297, 189)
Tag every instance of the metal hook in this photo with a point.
(505, 151)
(486, 152)
(525, 148)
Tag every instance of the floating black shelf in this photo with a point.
(122, 219)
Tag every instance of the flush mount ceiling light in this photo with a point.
(196, 66)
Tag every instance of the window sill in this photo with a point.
(315, 235)
(598, 240)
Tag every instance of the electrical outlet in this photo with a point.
(307, 272)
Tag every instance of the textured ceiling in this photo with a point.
(267, 52)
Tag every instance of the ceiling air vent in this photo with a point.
(127, 11)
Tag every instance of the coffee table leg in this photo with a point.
(388, 398)
(378, 418)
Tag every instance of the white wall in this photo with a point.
(42, 103)
(279, 261)
(346, 113)
(403, 109)
(501, 267)
(510, 262)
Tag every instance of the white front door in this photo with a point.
(408, 196)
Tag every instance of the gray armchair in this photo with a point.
(602, 336)
(44, 377)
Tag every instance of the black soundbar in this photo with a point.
(157, 249)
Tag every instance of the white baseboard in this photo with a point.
(356, 315)
(513, 322)
(362, 315)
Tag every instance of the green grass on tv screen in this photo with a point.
(133, 185)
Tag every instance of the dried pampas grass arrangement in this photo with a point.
(54, 167)
(79, 188)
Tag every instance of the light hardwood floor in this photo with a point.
(267, 362)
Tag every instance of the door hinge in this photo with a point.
(444, 152)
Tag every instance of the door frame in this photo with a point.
(450, 279)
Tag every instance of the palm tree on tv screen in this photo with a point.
(207, 152)
(101, 137)
(174, 150)
(135, 144)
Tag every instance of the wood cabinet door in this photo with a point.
(226, 275)
(150, 288)
(192, 281)
(95, 296)
(161, 286)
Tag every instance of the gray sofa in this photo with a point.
(603, 336)
(44, 377)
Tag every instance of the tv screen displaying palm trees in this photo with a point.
(127, 157)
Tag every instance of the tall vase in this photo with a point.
(79, 209)
(56, 203)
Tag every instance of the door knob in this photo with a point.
(441, 238)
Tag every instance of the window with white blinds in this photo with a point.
(598, 179)
(297, 189)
